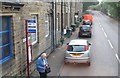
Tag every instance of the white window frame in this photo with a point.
(47, 26)
(57, 24)
(36, 29)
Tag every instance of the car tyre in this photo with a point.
(65, 62)
(79, 36)
(88, 63)
(90, 36)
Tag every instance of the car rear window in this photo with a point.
(85, 28)
(86, 21)
(76, 48)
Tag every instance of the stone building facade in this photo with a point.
(50, 19)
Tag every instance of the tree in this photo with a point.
(87, 4)
(111, 9)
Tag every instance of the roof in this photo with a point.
(78, 42)
(88, 15)
(86, 20)
(85, 26)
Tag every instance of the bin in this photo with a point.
(77, 24)
(68, 34)
(73, 27)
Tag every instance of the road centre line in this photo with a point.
(110, 43)
(106, 37)
(105, 34)
(103, 29)
(100, 25)
(117, 57)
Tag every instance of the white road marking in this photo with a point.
(102, 29)
(117, 57)
(105, 34)
(110, 43)
(115, 50)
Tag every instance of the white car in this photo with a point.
(78, 51)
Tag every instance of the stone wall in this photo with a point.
(17, 64)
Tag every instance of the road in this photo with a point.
(104, 61)
(104, 50)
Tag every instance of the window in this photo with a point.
(76, 48)
(58, 22)
(34, 35)
(85, 28)
(5, 39)
(47, 26)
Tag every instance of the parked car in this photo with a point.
(86, 22)
(78, 51)
(85, 30)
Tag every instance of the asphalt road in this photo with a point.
(104, 50)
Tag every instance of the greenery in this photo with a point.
(86, 5)
(111, 9)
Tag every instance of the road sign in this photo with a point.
(32, 26)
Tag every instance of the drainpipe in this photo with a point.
(68, 14)
(53, 29)
(55, 39)
(61, 18)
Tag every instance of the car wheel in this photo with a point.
(88, 63)
(65, 62)
(91, 23)
(79, 36)
(90, 36)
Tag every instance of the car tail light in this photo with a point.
(89, 30)
(86, 48)
(67, 47)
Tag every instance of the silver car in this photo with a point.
(78, 51)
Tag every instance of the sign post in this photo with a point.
(28, 64)
(31, 27)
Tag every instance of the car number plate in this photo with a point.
(84, 34)
(76, 54)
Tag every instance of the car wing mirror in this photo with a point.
(67, 43)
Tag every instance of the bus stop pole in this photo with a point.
(28, 74)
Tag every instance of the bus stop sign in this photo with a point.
(32, 26)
